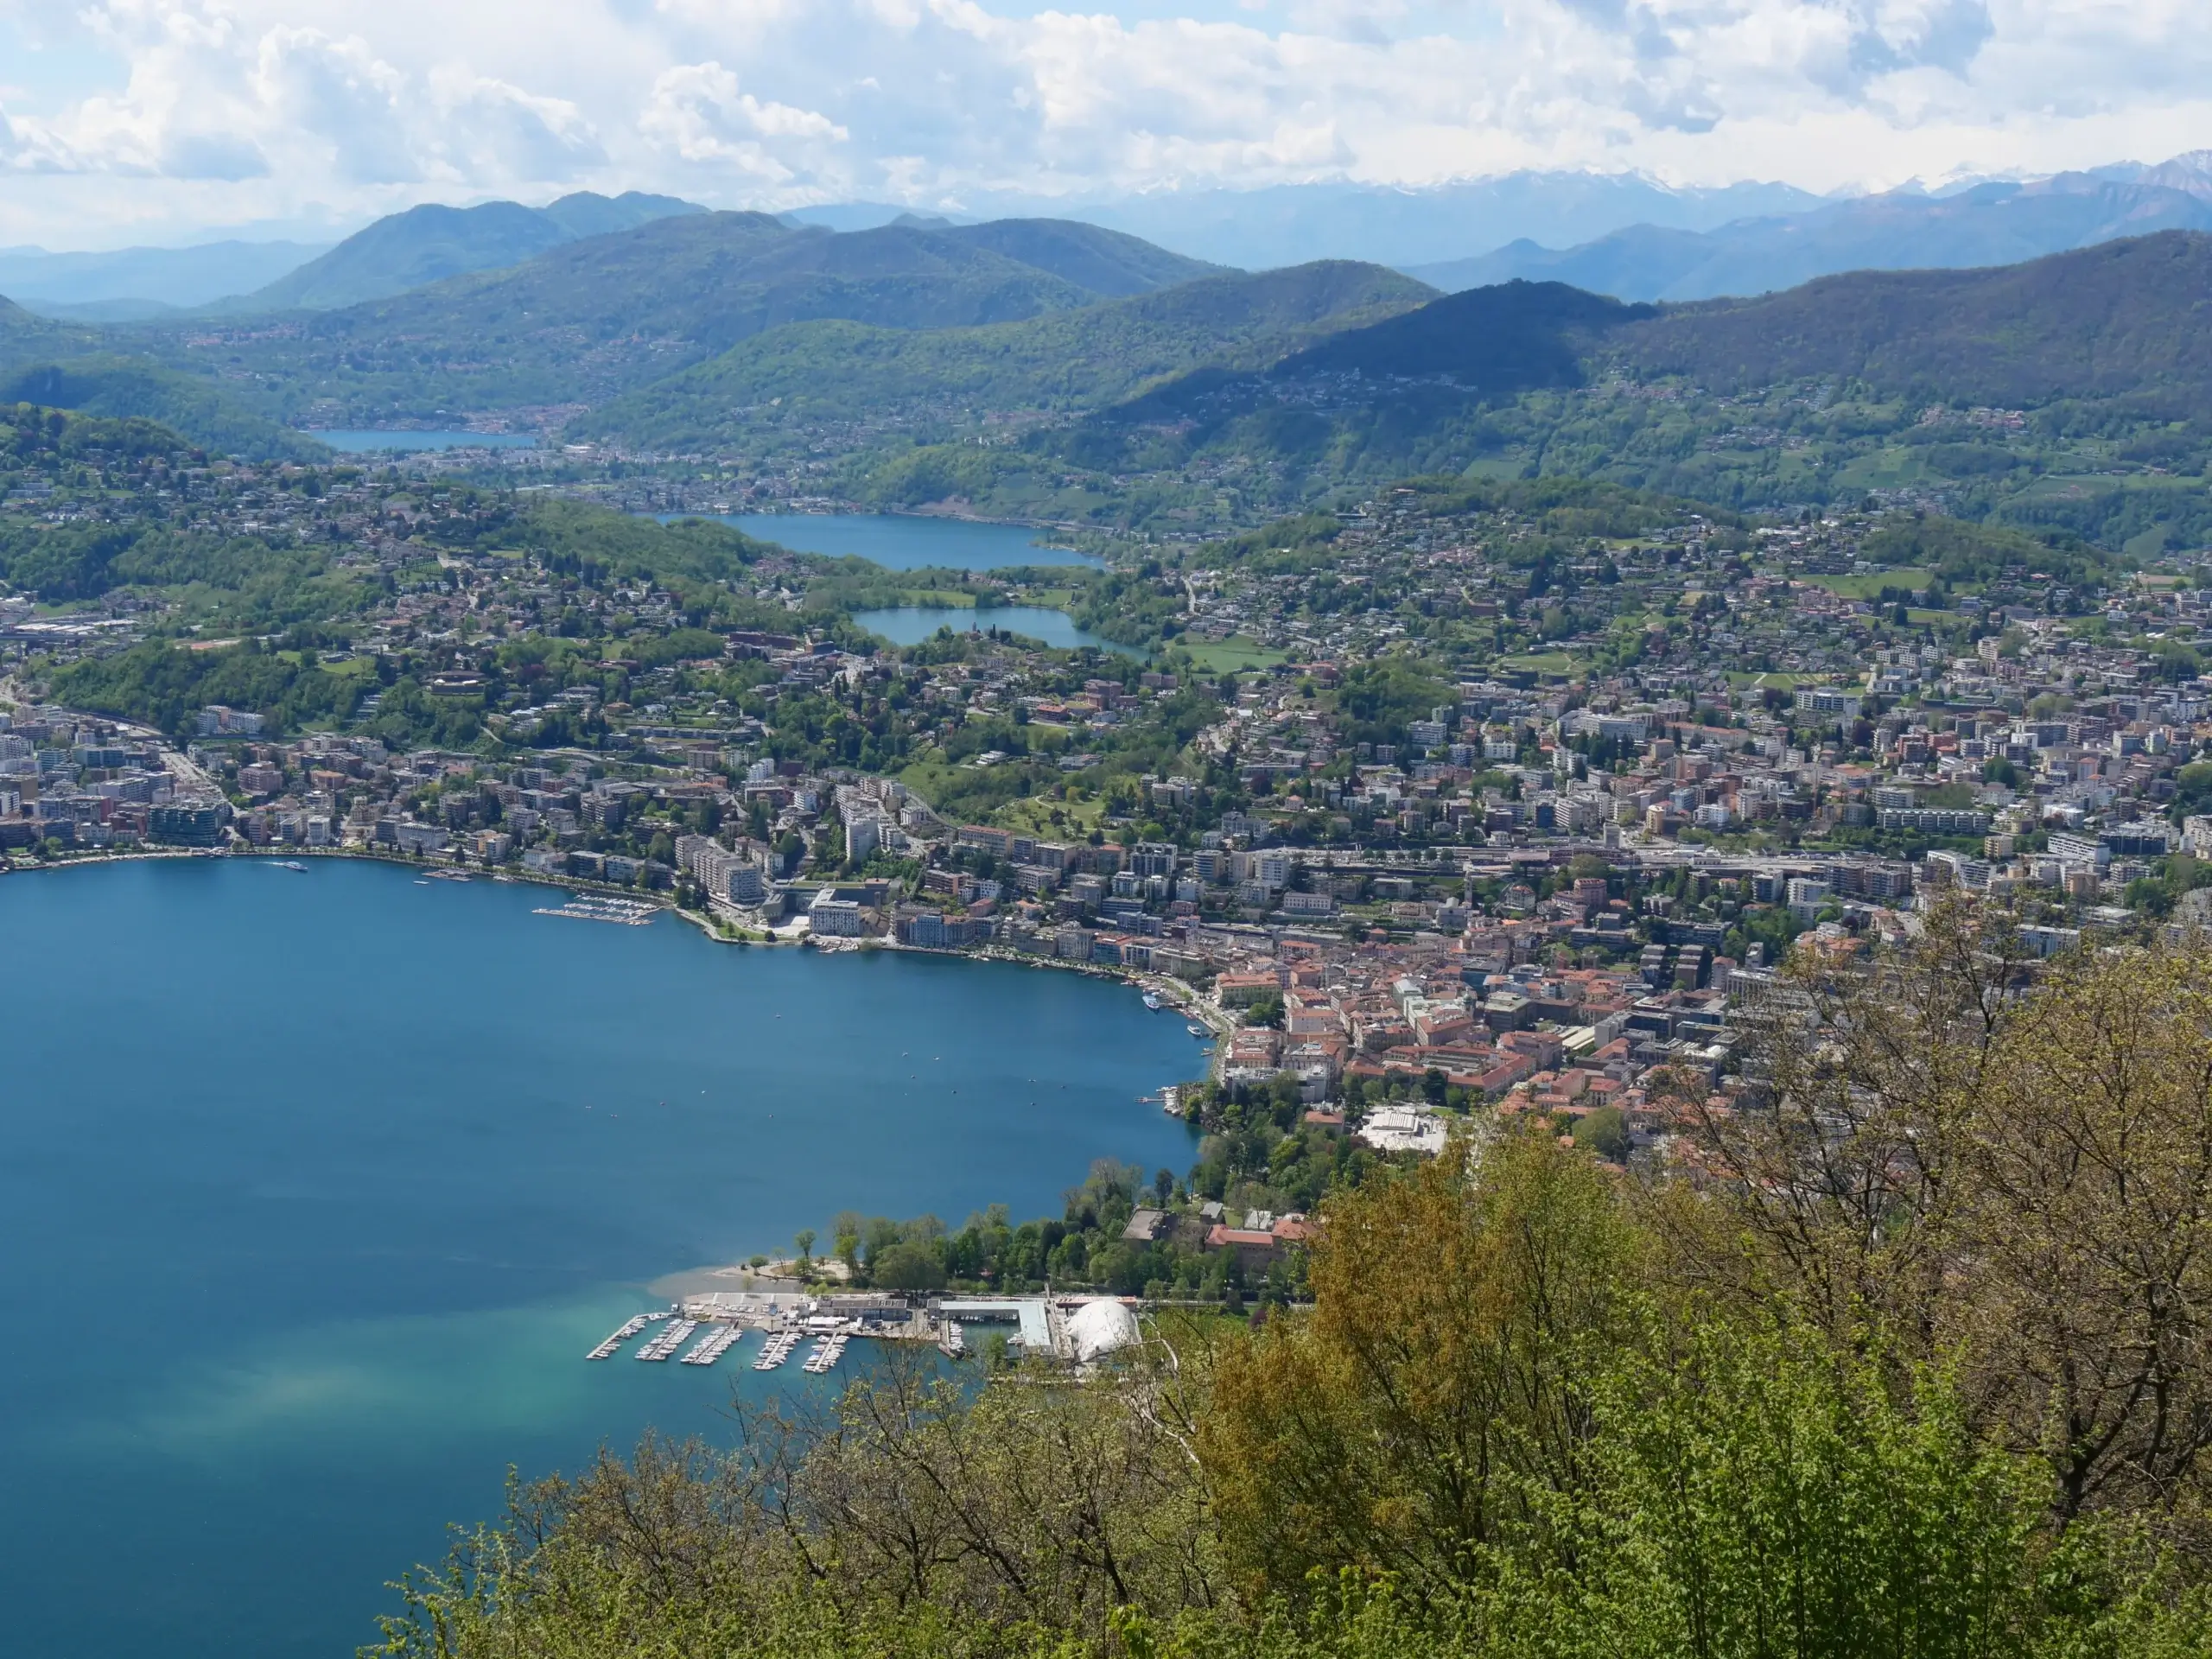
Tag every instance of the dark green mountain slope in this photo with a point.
(25, 338)
(1107, 263)
(1484, 345)
(429, 244)
(839, 372)
(122, 389)
(589, 318)
(2129, 321)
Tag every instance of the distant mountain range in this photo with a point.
(136, 282)
(1994, 224)
(1622, 234)
(429, 244)
(1290, 225)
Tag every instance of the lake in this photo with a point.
(906, 624)
(316, 1188)
(903, 542)
(359, 444)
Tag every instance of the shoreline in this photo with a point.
(1177, 997)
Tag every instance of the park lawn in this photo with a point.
(1910, 577)
(1232, 654)
(1548, 662)
(1032, 815)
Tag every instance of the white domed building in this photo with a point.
(1097, 1329)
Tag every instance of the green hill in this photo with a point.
(1485, 343)
(2126, 320)
(25, 337)
(1072, 359)
(119, 389)
(1107, 263)
(2073, 394)
(429, 244)
(589, 318)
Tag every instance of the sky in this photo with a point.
(164, 120)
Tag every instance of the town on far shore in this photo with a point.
(1444, 810)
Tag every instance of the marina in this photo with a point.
(778, 1349)
(629, 1328)
(827, 1352)
(594, 908)
(667, 1342)
(1063, 1330)
(718, 1341)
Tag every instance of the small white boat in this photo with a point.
(1198, 1031)
(1152, 1000)
(293, 865)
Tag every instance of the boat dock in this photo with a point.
(825, 1326)
(594, 907)
(778, 1348)
(631, 1328)
(667, 1342)
(718, 1341)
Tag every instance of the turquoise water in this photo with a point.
(315, 1189)
(901, 542)
(357, 444)
(909, 623)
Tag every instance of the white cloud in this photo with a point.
(242, 109)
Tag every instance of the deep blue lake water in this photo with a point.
(357, 444)
(903, 542)
(909, 623)
(315, 1189)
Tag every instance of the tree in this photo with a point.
(1431, 1398)
(1605, 1131)
(2006, 1165)
(805, 1242)
(910, 1265)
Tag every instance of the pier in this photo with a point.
(827, 1352)
(667, 1342)
(631, 1328)
(718, 1341)
(593, 907)
(778, 1348)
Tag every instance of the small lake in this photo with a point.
(906, 625)
(363, 443)
(315, 1189)
(903, 542)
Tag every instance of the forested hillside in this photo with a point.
(136, 388)
(430, 243)
(2127, 321)
(586, 320)
(1071, 359)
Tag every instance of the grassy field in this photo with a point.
(1232, 654)
(1906, 576)
(1548, 662)
(1032, 815)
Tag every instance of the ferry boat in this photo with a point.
(1198, 1030)
(1152, 1000)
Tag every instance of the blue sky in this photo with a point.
(155, 120)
